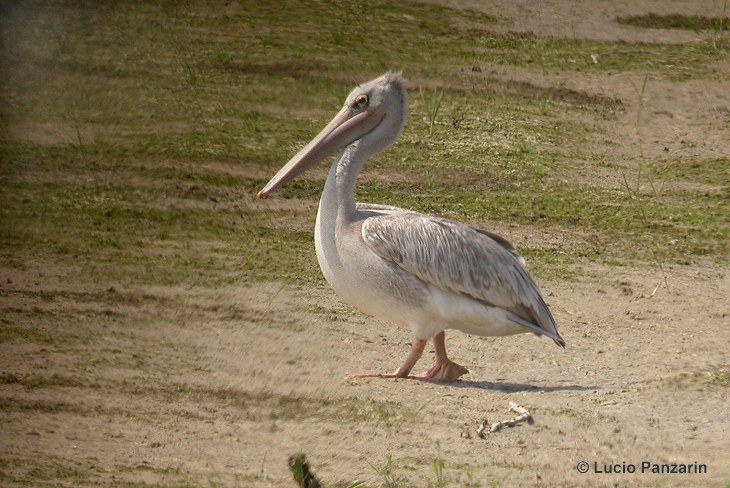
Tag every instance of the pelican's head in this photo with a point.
(373, 113)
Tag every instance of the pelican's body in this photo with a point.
(406, 268)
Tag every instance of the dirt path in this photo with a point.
(230, 382)
(585, 19)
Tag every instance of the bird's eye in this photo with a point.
(361, 101)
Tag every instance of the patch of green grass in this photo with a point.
(696, 225)
(437, 466)
(39, 381)
(151, 113)
(713, 172)
(590, 208)
(698, 24)
(259, 405)
(433, 103)
(711, 377)
(35, 335)
(57, 470)
(121, 231)
(687, 61)
(674, 21)
(388, 415)
(388, 473)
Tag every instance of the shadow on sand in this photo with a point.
(518, 387)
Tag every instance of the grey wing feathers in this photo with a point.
(460, 258)
(502, 242)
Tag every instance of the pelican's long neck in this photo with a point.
(338, 196)
(336, 214)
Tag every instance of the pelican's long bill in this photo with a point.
(342, 130)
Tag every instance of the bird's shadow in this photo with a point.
(518, 387)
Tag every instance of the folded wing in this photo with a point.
(461, 259)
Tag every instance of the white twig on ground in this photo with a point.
(524, 416)
(480, 430)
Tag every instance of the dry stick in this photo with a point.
(524, 415)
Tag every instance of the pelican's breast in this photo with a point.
(364, 280)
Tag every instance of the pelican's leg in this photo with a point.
(413, 356)
(444, 369)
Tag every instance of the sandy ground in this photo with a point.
(585, 19)
(190, 385)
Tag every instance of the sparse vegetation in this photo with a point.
(433, 104)
(717, 376)
(695, 23)
(673, 21)
(388, 473)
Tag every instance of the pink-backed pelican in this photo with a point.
(403, 267)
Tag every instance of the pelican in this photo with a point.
(424, 272)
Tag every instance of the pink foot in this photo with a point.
(444, 371)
